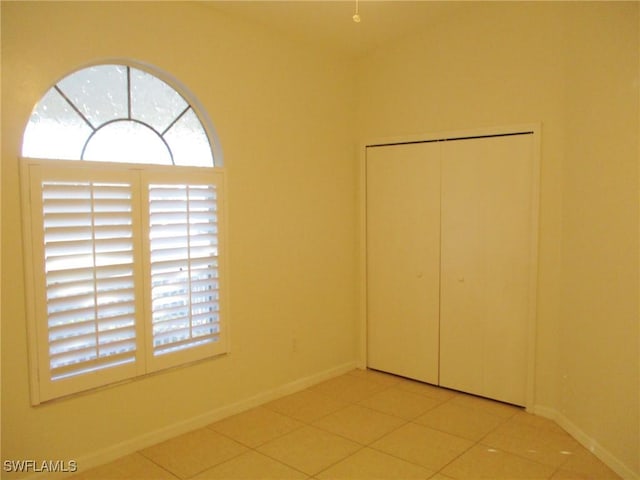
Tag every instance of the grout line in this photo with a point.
(155, 463)
(216, 464)
(362, 447)
(264, 454)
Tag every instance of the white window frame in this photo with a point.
(42, 387)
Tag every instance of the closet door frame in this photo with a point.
(529, 128)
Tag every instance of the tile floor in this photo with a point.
(367, 425)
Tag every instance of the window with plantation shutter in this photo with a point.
(124, 248)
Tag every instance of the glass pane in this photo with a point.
(100, 92)
(189, 142)
(153, 101)
(55, 130)
(127, 141)
(113, 129)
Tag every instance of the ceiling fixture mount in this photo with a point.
(356, 17)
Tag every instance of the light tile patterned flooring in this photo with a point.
(367, 425)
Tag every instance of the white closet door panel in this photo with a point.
(403, 257)
(485, 267)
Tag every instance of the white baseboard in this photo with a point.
(588, 442)
(132, 445)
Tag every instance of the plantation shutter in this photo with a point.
(87, 249)
(184, 264)
(126, 268)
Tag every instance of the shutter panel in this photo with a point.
(89, 276)
(184, 264)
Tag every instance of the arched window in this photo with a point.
(117, 113)
(125, 251)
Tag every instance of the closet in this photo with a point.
(450, 259)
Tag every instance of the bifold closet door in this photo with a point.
(486, 265)
(403, 258)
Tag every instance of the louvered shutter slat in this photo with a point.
(117, 322)
(112, 219)
(203, 251)
(114, 284)
(114, 340)
(113, 258)
(57, 234)
(122, 349)
(70, 303)
(70, 330)
(211, 321)
(203, 217)
(168, 271)
(72, 262)
(66, 334)
(173, 345)
(68, 367)
(109, 342)
(71, 316)
(73, 357)
(169, 313)
(71, 288)
(66, 220)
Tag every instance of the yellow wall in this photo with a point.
(284, 116)
(599, 367)
(289, 124)
(574, 68)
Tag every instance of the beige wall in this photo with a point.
(599, 368)
(284, 116)
(574, 68)
(289, 126)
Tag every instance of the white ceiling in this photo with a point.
(329, 23)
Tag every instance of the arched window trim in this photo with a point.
(190, 99)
